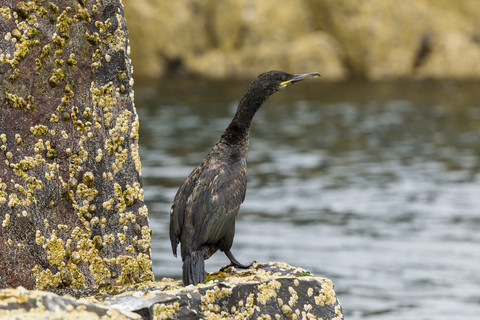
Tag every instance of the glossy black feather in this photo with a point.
(202, 217)
(208, 202)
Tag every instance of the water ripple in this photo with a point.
(374, 185)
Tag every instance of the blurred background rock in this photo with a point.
(343, 39)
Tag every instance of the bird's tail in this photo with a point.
(193, 269)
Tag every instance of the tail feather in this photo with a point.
(193, 269)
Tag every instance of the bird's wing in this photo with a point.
(219, 198)
(210, 197)
(177, 211)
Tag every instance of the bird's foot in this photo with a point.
(235, 263)
(240, 266)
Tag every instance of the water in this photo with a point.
(375, 186)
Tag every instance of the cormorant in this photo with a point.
(202, 217)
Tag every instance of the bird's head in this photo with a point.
(257, 93)
(272, 81)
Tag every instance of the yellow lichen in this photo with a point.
(310, 292)
(136, 157)
(287, 311)
(326, 296)
(39, 239)
(94, 221)
(121, 237)
(268, 291)
(293, 296)
(39, 130)
(6, 13)
(55, 250)
(15, 101)
(109, 239)
(46, 279)
(6, 221)
(130, 269)
(98, 268)
(212, 296)
(338, 312)
(39, 146)
(88, 179)
(165, 311)
(108, 204)
(145, 266)
(85, 192)
(143, 211)
(71, 60)
(98, 158)
(18, 138)
(57, 74)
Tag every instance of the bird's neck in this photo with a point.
(238, 130)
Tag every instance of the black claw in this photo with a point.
(240, 266)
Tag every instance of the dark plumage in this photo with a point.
(202, 217)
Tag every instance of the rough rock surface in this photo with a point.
(373, 39)
(71, 200)
(266, 291)
(21, 304)
(397, 39)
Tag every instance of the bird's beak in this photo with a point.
(300, 77)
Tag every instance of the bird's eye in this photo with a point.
(284, 78)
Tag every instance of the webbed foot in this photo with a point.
(235, 263)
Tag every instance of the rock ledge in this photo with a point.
(266, 291)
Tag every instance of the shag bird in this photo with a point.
(202, 217)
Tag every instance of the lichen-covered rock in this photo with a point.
(266, 291)
(21, 304)
(71, 199)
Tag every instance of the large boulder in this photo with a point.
(398, 39)
(372, 39)
(22, 304)
(71, 199)
(239, 38)
(265, 291)
(316, 51)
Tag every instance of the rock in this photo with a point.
(371, 39)
(451, 52)
(228, 39)
(315, 51)
(169, 33)
(71, 199)
(265, 291)
(21, 304)
(386, 39)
